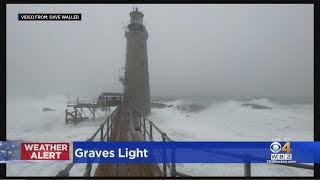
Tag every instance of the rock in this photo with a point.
(48, 109)
(196, 108)
(191, 108)
(256, 106)
(182, 107)
(157, 105)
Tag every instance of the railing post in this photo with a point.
(173, 163)
(247, 169)
(108, 128)
(164, 165)
(67, 117)
(94, 113)
(75, 116)
(144, 127)
(140, 120)
(87, 172)
(111, 123)
(63, 173)
(247, 165)
(115, 116)
(151, 124)
(101, 129)
(112, 116)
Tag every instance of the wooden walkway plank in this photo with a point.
(125, 130)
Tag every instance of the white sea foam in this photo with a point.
(230, 121)
(27, 122)
(221, 121)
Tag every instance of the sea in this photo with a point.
(222, 119)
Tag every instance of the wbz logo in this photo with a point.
(280, 152)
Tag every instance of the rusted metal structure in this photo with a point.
(104, 102)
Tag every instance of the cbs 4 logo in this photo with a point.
(276, 147)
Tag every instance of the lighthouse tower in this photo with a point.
(136, 79)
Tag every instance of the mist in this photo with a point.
(193, 50)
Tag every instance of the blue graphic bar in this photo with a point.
(196, 152)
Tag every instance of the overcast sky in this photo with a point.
(216, 50)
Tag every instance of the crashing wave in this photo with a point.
(256, 106)
(184, 108)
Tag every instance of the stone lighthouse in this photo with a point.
(136, 78)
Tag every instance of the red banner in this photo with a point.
(45, 151)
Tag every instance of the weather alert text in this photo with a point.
(45, 151)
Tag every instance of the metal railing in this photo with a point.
(105, 130)
(86, 101)
(247, 157)
(148, 129)
(123, 80)
(148, 134)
